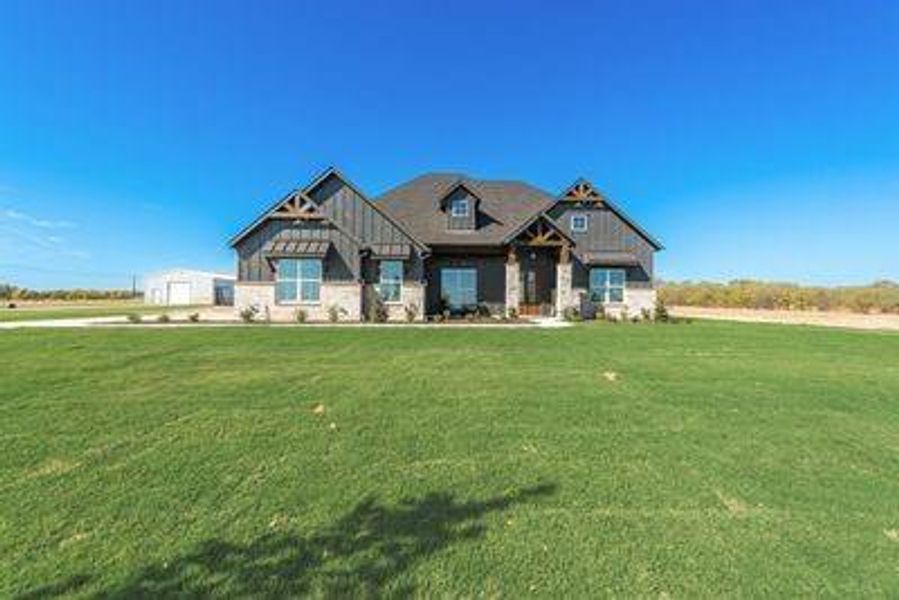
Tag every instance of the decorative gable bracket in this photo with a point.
(297, 207)
(583, 192)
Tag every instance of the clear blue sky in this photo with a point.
(754, 139)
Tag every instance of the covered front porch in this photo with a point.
(539, 271)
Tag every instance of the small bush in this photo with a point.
(335, 312)
(661, 314)
(513, 313)
(194, 317)
(645, 315)
(300, 316)
(11, 305)
(411, 311)
(248, 315)
(375, 309)
(134, 318)
(571, 313)
(163, 318)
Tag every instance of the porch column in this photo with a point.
(564, 296)
(513, 281)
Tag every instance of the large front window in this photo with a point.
(459, 288)
(299, 279)
(607, 285)
(390, 284)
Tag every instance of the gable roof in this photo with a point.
(292, 204)
(582, 191)
(504, 205)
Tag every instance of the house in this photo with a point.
(442, 242)
(181, 287)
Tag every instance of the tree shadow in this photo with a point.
(357, 555)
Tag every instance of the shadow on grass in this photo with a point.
(359, 554)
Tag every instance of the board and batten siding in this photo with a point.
(341, 204)
(606, 231)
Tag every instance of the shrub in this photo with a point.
(512, 312)
(645, 314)
(376, 310)
(194, 317)
(163, 318)
(134, 318)
(335, 312)
(11, 305)
(248, 315)
(300, 316)
(571, 313)
(661, 313)
(411, 310)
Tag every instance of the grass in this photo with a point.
(720, 459)
(61, 311)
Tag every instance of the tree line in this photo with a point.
(879, 297)
(11, 292)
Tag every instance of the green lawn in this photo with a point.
(61, 311)
(723, 458)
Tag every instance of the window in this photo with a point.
(579, 223)
(607, 285)
(299, 280)
(390, 285)
(459, 288)
(459, 207)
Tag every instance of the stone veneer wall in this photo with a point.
(565, 297)
(413, 293)
(635, 300)
(513, 281)
(347, 296)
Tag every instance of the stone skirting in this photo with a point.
(412, 294)
(635, 301)
(347, 297)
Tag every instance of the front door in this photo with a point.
(537, 281)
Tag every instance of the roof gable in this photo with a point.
(584, 193)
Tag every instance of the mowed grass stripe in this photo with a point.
(701, 459)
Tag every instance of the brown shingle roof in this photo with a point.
(504, 206)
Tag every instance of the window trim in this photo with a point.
(579, 229)
(298, 281)
(607, 285)
(398, 282)
(460, 202)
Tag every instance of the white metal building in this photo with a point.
(182, 287)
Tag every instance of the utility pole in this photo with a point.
(133, 287)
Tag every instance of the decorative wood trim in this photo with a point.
(583, 191)
(298, 207)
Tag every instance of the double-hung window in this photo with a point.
(299, 280)
(390, 283)
(459, 207)
(578, 223)
(607, 285)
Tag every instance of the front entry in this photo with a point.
(538, 281)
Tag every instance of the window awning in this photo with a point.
(296, 248)
(395, 251)
(611, 259)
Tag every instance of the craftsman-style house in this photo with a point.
(442, 242)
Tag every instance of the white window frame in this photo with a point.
(392, 281)
(607, 285)
(576, 229)
(299, 280)
(459, 207)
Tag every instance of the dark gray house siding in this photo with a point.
(491, 272)
(360, 225)
(606, 231)
(461, 223)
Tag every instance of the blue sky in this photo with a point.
(754, 139)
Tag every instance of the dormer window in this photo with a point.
(459, 207)
(579, 223)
